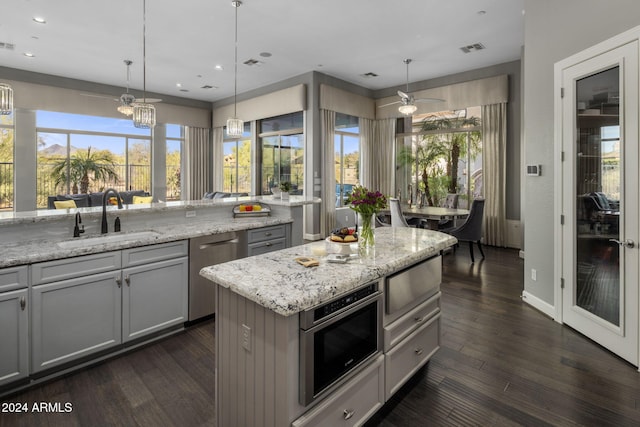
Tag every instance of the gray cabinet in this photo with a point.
(154, 297)
(14, 317)
(93, 303)
(74, 318)
(267, 239)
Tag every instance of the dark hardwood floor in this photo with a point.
(502, 363)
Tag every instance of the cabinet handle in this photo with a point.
(418, 351)
(119, 282)
(128, 280)
(348, 413)
(418, 319)
(268, 244)
(267, 234)
(23, 303)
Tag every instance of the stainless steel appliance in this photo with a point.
(205, 251)
(337, 339)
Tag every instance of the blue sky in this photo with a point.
(123, 126)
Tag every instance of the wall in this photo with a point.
(554, 30)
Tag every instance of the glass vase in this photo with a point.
(365, 237)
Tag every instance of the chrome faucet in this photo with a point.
(78, 229)
(105, 228)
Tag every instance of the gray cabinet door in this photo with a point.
(74, 318)
(155, 296)
(14, 336)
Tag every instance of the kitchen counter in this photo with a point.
(36, 249)
(276, 281)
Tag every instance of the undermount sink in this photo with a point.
(107, 238)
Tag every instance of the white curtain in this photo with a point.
(218, 156)
(198, 160)
(376, 142)
(327, 137)
(494, 141)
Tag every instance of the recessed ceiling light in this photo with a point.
(184, 90)
(265, 54)
(29, 54)
(178, 84)
(39, 20)
(482, 12)
(219, 67)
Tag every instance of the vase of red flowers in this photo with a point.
(367, 204)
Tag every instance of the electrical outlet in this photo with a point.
(534, 274)
(246, 337)
(191, 214)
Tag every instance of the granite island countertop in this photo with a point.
(36, 249)
(276, 281)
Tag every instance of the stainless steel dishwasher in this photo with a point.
(205, 251)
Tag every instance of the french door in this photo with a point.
(600, 187)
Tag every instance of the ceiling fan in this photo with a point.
(126, 100)
(408, 102)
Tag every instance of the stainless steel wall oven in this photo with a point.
(337, 339)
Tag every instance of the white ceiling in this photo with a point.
(89, 39)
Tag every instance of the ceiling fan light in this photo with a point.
(144, 115)
(235, 127)
(127, 110)
(6, 99)
(407, 109)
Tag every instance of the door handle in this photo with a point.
(348, 413)
(627, 243)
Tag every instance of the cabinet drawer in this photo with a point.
(410, 355)
(268, 246)
(352, 404)
(411, 286)
(12, 278)
(398, 330)
(68, 268)
(153, 253)
(266, 233)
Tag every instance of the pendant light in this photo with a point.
(6, 99)
(144, 114)
(235, 126)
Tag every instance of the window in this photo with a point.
(175, 142)
(347, 156)
(237, 162)
(610, 161)
(6, 162)
(442, 155)
(74, 157)
(282, 152)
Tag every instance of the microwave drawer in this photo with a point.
(412, 286)
(404, 360)
(353, 403)
(405, 325)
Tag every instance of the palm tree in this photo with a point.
(426, 158)
(100, 165)
(455, 141)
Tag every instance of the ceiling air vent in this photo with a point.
(369, 75)
(208, 87)
(472, 47)
(9, 46)
(252, 62)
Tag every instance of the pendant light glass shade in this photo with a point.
(127, 110)
(6, 99)
(235, 127)
(407, 109)
(144, 115)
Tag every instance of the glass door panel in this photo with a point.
(598, 178)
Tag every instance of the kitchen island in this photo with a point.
(262, 365)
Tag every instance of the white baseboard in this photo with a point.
(313, 237)
(539, 304)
